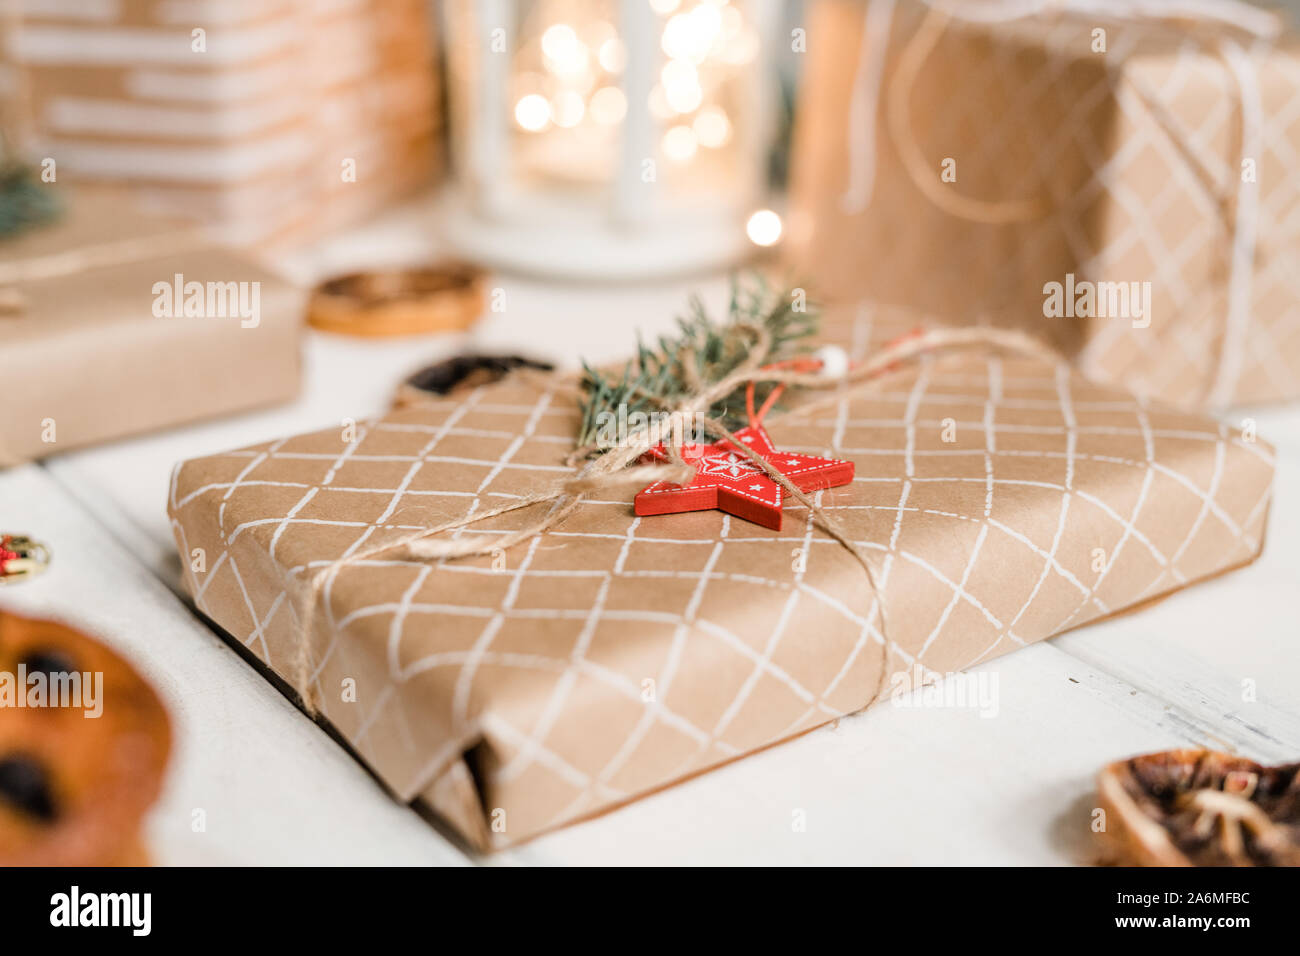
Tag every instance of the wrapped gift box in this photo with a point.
(280, 96)
(1001, 500)
(90, 350)
(960, 168)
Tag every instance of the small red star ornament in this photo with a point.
(727, 479)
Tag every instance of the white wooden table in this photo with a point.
(941, 785)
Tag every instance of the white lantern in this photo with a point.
(609, 138)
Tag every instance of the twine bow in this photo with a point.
(617, 470)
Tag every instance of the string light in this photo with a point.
(706, 22)
(681, 86)
(683, 39)
(532, 112)
(763, 228)
(564, 52)
(712, 128)
(581, 62)
(679, 144)
(608, 105)
(612, 56)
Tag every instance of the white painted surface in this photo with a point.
(888, 786)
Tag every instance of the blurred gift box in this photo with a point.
(274, 120)
(1121, 183)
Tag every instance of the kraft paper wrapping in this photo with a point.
(1027, 111)
(519, 692)
(87, 353)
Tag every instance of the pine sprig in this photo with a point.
(656, 379)
(24, 201)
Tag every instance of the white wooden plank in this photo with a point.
(898, 785)
(274, 787)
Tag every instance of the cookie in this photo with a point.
(444, 297)
(1201, 808)
(83, 747)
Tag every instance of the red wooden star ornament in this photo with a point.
(726, 478)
